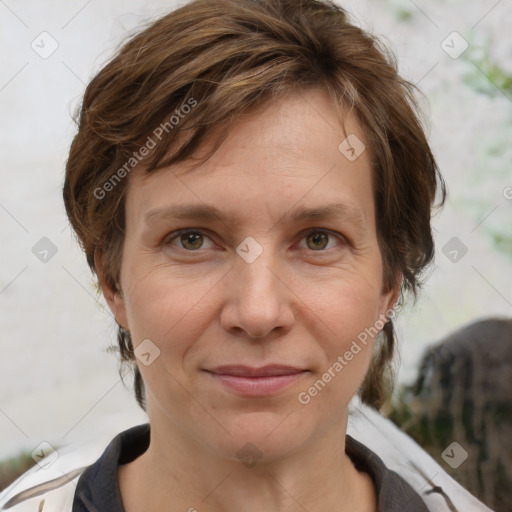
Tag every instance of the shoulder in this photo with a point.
(404, 467)
(393, 493)
(53, 484)
(45, 489)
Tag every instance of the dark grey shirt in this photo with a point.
(98, 486)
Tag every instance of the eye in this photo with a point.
(188, 239)
(318, 240)
(194, 239)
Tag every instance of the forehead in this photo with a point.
(284, 152)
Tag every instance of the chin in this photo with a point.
(261, 436)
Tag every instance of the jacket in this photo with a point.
(407, 479)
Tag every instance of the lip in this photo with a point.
(270, 370)
(260, 381)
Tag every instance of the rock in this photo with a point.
(463, 395)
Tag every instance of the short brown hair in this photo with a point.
(228, 56)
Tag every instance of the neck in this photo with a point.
(177, 473)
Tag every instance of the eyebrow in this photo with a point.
(300, 214)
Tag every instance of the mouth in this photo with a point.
(261, 381)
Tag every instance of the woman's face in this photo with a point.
(275, 286)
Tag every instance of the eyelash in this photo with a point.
(176, 234)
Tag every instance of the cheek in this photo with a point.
(173, 314)
(164, 308)
(346, 304)
(351, 313)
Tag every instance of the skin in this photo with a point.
(301, 302)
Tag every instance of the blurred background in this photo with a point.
(58, 383)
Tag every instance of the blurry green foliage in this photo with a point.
(12, 468)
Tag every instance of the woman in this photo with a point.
(253, 189)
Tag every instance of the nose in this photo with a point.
(258, 301)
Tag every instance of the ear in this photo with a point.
(113, 297)
(390, 298)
